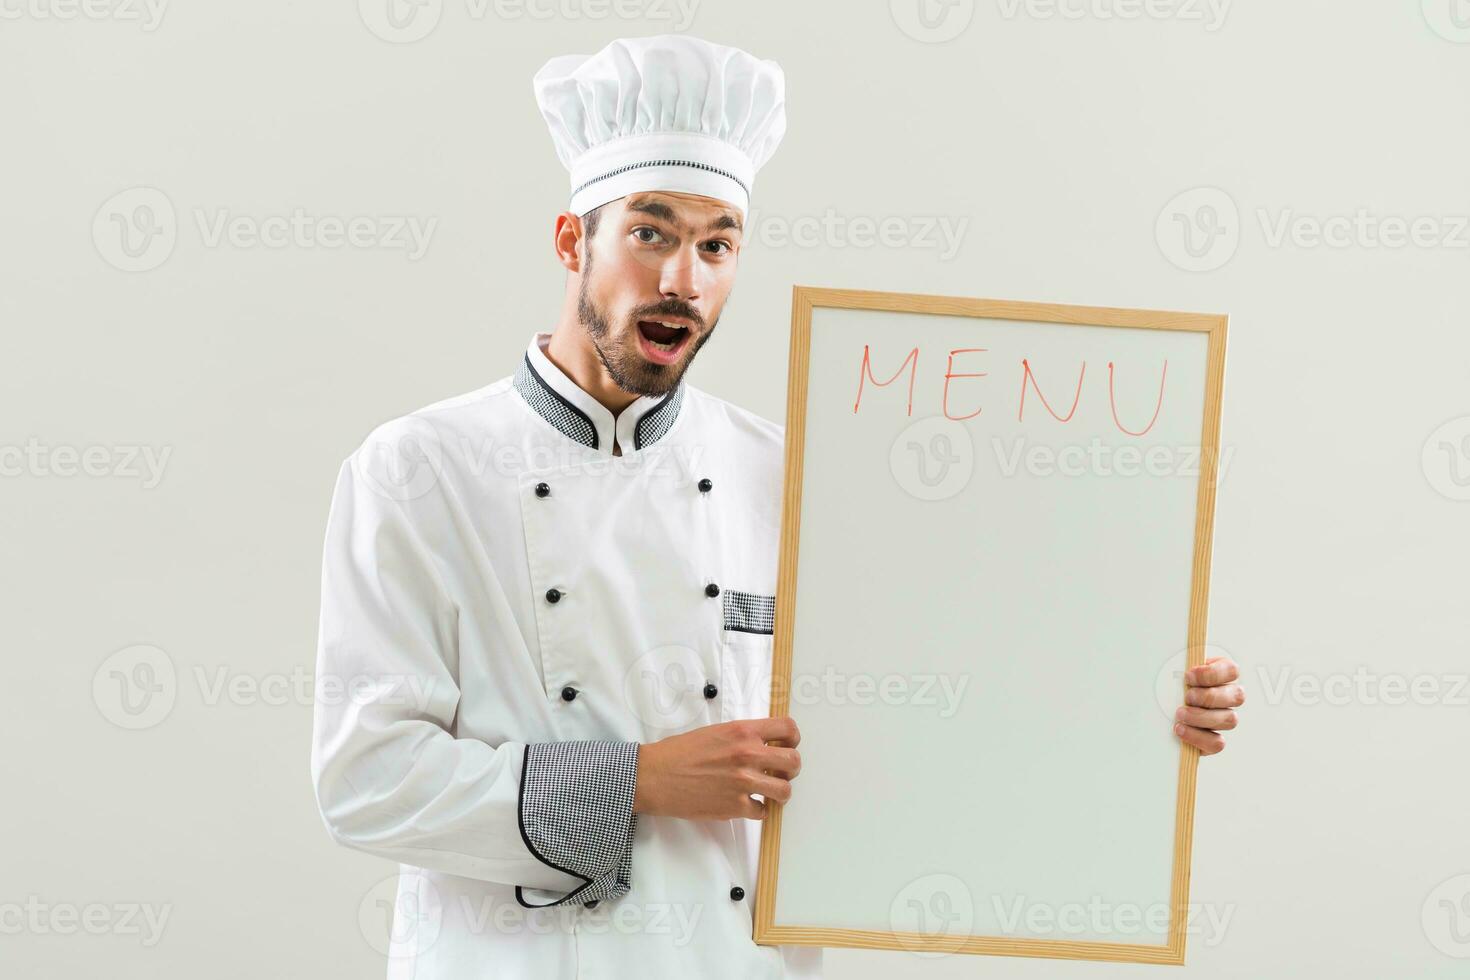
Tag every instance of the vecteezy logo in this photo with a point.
(933, 458)
(401, 915)
(937, 906)
(1446, 458)
(401, 461)
(400, 21)
(1199, 229)
(932, 21)
(136, 687)
(1450, 19)
(1446, 917)
(664, 688)
(135, 230)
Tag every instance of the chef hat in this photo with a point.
(668, 112)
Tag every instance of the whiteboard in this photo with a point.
(994, 567)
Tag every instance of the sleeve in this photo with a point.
(576, 814)
(391, 779)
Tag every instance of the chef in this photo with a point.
(548, 604)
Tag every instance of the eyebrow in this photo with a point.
(662, 211)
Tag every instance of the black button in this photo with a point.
(568, 693)
(737, 893)
(542, 489)
(705, 485)
(710, 690)
(712, 590)
(592, 904)
(553, 595)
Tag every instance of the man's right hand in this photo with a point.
(710, 772)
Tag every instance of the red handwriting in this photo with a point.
(1114, 405)
(1028, 380)
(1028, 376)
(949, 373)
(867, 370)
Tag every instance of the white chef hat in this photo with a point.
(668, 112)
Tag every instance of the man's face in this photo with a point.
(655, 277)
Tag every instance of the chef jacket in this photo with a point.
(508, 610)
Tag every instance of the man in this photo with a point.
(547, 605)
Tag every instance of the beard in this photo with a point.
(620, 355)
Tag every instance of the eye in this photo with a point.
(725, 250)
(655, 236)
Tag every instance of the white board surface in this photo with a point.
(984, 610)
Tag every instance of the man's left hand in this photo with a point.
(1211, 696)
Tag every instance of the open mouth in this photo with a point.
(662, 340)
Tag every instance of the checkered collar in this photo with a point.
(584, 419)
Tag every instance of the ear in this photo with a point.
(569, 239)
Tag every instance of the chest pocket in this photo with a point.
(747, 642)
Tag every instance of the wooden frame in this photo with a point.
(804, 299)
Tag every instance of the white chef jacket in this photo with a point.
(508, 609)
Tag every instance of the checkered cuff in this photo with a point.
(576, 814)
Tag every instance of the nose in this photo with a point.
(682, 276)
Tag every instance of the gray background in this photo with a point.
(1074, 149)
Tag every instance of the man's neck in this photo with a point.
(571, 350)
